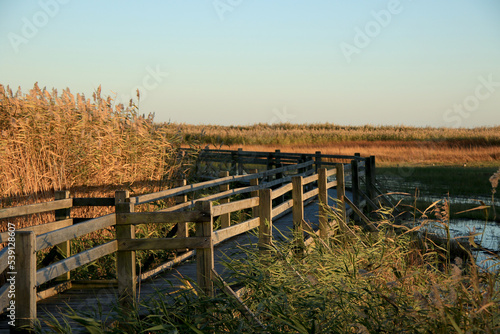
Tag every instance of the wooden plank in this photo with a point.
(254, 182)
(341, 194)
(63, 248)
(35, 208)
(298, 212)
(94, 284)
(229, 232)
(282, 207)
(167, 265)
(282, 190)
(159, 217)
(52, 291)
(53, 238)
(40, 229)
(368, 224)
(240, 304)
(182, 227)
(163, 243)
(203, 185)
(310, 179)
(235, 206)
(4, 297)
(205, 256)
(125, 260)
(266, 220)
(4, 258)
(93, 201)
(75, 261)
(323, 202)
(310, 194)
(331, 184)
(25, 298)
(331, 172)
(225, 219)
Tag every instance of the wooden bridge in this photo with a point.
(275, 188)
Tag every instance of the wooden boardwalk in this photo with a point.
(86, 301)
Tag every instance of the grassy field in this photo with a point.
(392, 145)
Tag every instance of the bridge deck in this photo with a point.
(86, 301)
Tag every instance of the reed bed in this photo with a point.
(53, 141)
(323, 133)
(392, 145)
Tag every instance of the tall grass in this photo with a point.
(318, 134)
(90, 146)
(57, 141)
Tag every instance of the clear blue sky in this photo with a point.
(419, 62)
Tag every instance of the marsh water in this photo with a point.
(487, 235)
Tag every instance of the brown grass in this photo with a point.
(391, 153)
(51, 141)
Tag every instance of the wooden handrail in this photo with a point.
(35, 208)
(208, 184)
(74, 231)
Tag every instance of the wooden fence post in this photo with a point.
(225, 219)
(266, 219)
(341, 194)
(254, 182)
(125, 260)
(270, 164)
(25, 278)
(370, 177)
(205, 256)
(240, 161)
(278, 163)
(318, 160)
(355, 181)
(298, 212)
(182, 227)
(323, 203)
(64, 248)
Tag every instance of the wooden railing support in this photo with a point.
(254, 182)
(182, 227)
(355, 182)
(323, 202)
(370, 177)
(318, 161)
(25, 278)
(239, 157)
(266, 219)
(298, 212)
(205, 256)
(340, 195)
(125, 260)
(225, 219)
(64, 248)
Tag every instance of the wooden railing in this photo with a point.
(300, 180)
